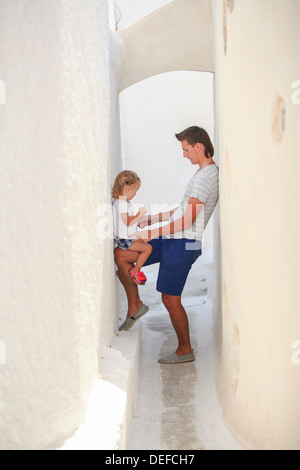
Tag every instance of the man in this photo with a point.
(177, 245)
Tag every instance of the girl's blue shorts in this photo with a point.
(176, 257)
(123, 243)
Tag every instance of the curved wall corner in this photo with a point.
(178, 36)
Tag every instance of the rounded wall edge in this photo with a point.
(160, 43)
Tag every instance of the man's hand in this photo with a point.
(144, 222)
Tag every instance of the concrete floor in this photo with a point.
(177, 408)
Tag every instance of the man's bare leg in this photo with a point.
(125, 261)
(179, 321)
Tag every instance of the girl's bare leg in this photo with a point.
(125, 261)
(144, 250)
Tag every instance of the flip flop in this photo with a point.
(139, 278)
(130, 321)
(142, 283)
(175, 359)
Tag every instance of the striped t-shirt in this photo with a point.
(203, 186)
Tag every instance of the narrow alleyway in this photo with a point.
(178, 407)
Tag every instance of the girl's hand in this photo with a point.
(143, 210)
(143, 222)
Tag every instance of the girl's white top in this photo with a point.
(122, 206)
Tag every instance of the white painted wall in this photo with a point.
(149, 48)
(60, 146)
(128, 12)
(257, 60)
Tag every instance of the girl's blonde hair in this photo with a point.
(124, 178)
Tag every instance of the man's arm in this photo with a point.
(156, 218)
(129, 220)
(191, 213)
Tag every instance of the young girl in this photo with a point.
(126, 185)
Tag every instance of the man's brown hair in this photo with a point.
(194, 135)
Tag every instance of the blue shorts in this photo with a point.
(123, 243)
(176, 257)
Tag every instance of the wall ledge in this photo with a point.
(111, 403)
